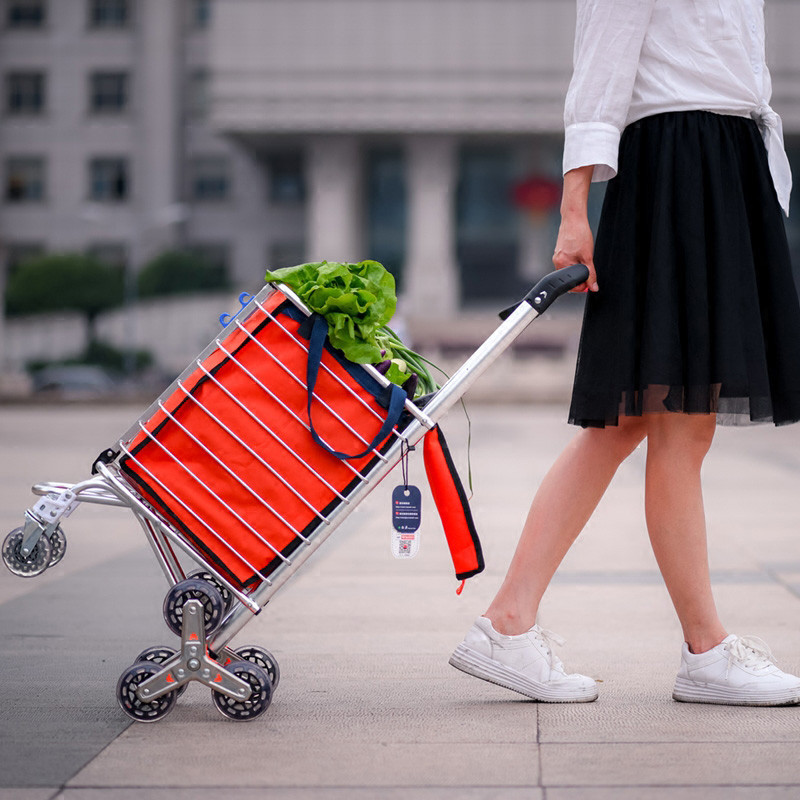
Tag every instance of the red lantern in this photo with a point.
(538, 195)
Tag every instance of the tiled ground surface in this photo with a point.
(367, 705)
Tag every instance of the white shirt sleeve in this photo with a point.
(608, 41)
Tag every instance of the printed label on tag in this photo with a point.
(405, 545)
(406, 517)
(406, 508)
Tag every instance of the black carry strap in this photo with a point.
(397, 395)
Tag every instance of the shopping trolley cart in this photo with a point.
(244, 466)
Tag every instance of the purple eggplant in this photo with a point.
(410, 385)
(383, 366)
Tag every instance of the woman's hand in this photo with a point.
(575, 244)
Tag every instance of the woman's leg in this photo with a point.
(676, 447)
(563, 504)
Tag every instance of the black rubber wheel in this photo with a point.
(58, 543)
(35, 563)
(193, 589)
(132, 705)
(264, 659)
(260, 697)
(160, 654)
(227, 595)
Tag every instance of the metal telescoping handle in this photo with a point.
(551, 287)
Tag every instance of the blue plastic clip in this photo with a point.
(244, 299)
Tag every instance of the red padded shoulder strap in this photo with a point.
(453, 506)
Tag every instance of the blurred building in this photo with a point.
(423, 133)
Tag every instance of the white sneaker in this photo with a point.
(525, 663)
(739, 671)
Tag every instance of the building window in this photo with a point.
(25, 179)
(25, 93)
(17, 253)
(487, 224)
(209, 178)
(109, 180)
(286, 178)
(200, 13)
(386, 217)
(108, 92)
(109, 13)
(26, 14)
(112, 254)
(197, 93)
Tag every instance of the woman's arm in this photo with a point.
(575, 243)
(608, 41)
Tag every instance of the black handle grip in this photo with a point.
(551, 287)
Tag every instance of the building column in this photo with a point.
(156, 170)
(431, 271)
(334, 211)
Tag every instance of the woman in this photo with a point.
(692, 319)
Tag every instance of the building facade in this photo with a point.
(423, 133)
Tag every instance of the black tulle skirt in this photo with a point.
(697, 310)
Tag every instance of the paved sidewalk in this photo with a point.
(368, 706)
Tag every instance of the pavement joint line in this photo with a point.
(373, 787)
(792, 588)
(637, 577)
(671, 788)
(83, 766)
(593, 786)
(642, 740)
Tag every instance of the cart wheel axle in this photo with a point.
(160, 654)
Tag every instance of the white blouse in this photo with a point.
(635, 58)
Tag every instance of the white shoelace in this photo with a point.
(550, 640)
(750, 651)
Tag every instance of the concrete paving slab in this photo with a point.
(640, 710)
(677, 763)
(64, 648)
(28, 794)
(310, 793)
(43, 444)
(367, 702)
(245, 758)
(674, 793)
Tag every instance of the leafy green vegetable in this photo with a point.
(357, 301)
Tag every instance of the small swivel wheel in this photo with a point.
(130, 703)
(160, 655)
(193, 589)
(227, 595)
(26, 566)
(260, 693)
(58, 543)
(264, 659)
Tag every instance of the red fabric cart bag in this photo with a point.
(451, 501)
(229, 458)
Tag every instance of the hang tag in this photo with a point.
(406, 517)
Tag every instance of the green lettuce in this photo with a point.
(358, 301)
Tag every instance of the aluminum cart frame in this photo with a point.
(206, 608)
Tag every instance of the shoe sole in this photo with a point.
(686, 691)
(479, 666)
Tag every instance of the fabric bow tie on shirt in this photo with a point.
(771, 128)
